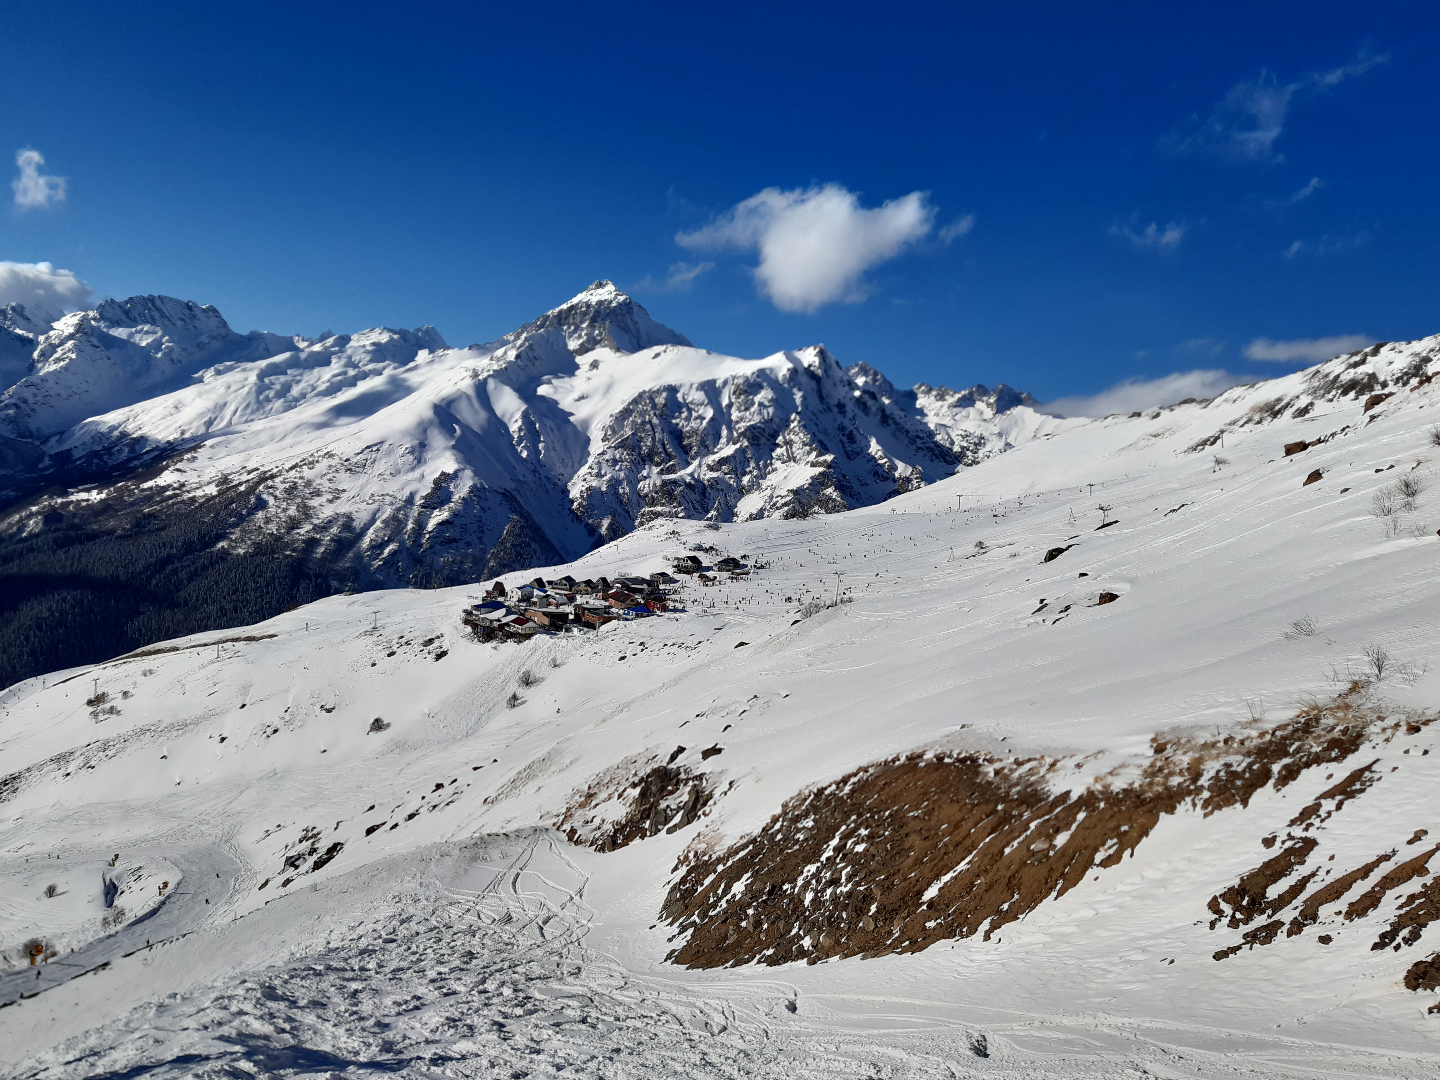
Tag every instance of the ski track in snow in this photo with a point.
(488, 975)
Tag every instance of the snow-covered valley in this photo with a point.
(1113, 757)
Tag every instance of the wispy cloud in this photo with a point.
(1137, 394)
(44, 291)
(1309, 350)
(678, 278)
(1314, 185)
(816, 243)
(1305, 192)
(1246, 123)
(1152, 236)
(956, 229)
(33, 189)
(1201, 344)
(1329, 245)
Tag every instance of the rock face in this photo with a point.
(386, 458)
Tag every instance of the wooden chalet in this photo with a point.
(549, 618)
(596, 617)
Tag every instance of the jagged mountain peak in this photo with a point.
(998, 401)
(603, 316)
(157, 310)
(17, 319)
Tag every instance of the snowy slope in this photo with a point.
(1143, 805)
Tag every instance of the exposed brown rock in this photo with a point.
(1416, 912)
(901, 853)
(1424, 975)
(1314, 478)
(1375, 399)
(1106, 598)
(1296, 447)
(1309, 912)
(1249, 897)
(1342, 792)
(661, 798)
(1369, 900)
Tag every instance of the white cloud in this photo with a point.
(1311, 350)
(816, 243)
(1152, 236)
(957, 228)
(678, 278)
(1251, 117)
(1309, 189)
(33, 190)
(44, 291)
(1137, 394)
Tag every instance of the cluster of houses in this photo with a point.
(559, 604)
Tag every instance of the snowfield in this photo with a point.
(1115, 758)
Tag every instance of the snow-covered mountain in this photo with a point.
(1117, 757)
(593, 404)
(387, 458)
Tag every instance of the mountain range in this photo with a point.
(161, 473)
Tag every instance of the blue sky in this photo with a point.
(1061, 197)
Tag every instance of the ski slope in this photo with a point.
(433, 895)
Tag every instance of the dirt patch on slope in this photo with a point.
(1249, 898)
(1355, 783)
(1415, 913)
(1309, 912)
(902, 853)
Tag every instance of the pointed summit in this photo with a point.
(604, 317)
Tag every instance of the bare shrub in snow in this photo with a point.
(1396, 498)
(528, 679)
(1408, 487)
(819, 604)
(1435, 435)
(51, 890)
(112, 918)
(376, 726)
(1386, 505)
(1378, 660)
(1381, 664)
(1305, 626)
(1412, 673)
(514, 701)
